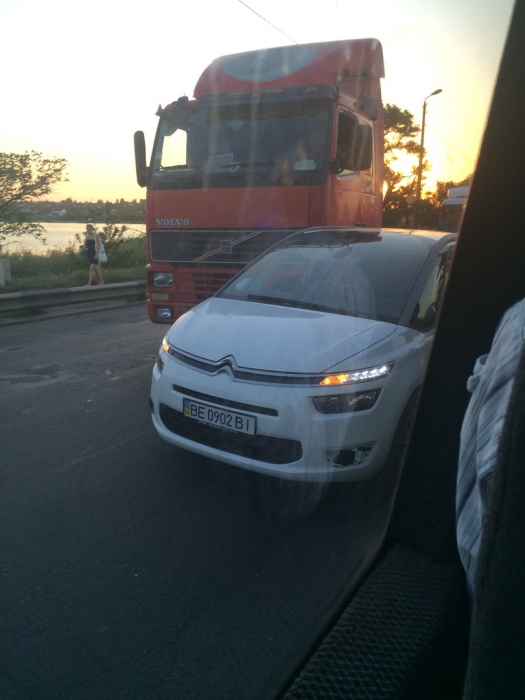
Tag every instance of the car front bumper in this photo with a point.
(292, 439)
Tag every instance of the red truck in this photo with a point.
(273, 141)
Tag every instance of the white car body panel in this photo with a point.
(226, 327)
(370, 342)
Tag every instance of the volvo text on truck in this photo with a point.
(273, 141)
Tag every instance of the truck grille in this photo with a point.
(259, 447)
(203, 247)
(197, 285)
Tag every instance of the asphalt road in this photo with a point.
(131, 569)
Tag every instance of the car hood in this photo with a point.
(274, 338)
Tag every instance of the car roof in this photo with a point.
(430, 236)
(378, 231)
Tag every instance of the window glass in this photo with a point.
(281, 136)
(428, 305)
(345, 138)
(196, 548)
(174, 150)
(370, 278)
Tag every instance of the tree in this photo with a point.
(442, 189)
(25, 177)
(433, 215)
(400, 193)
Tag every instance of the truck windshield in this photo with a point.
(284, 143)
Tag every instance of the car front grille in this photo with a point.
(226, 402)
(259, 447)
(229, 365)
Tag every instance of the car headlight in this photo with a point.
(163, 346)
(360, 375)
(346, 403)
(162, 279)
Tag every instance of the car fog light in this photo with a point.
(164, 312)
(162, 279)
(360, 375)
(346, 403)
(349, 457)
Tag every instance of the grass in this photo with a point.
(57, 269)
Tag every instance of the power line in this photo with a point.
(450, 145)
(267, 21)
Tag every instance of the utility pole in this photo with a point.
(421, 151)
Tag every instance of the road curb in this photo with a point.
(63, 312)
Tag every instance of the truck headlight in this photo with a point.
(162, 279)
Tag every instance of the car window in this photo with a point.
(427, 308)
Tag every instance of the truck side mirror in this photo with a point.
(140, 158)
(369, 107)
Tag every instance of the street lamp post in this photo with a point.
(421, 149)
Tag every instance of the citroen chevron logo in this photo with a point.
(227, 364)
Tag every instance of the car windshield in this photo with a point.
(364, 275)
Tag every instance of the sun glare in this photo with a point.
(99, 91)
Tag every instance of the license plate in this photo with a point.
(218, 417)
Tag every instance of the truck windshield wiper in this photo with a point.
(256, 164)
(181, 167)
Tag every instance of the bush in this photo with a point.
(68, 268)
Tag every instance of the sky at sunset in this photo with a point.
(78, 79)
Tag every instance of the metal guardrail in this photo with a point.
(28, 301)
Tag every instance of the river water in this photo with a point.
(60, 235)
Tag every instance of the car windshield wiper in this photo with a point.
(295, 304)
(280, 301)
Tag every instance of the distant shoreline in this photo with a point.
(60, 235)
(88, 221)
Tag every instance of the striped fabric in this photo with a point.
(491, 386)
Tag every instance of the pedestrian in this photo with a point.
(92, 245)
